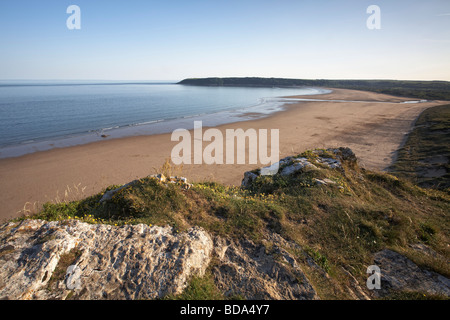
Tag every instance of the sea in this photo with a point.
(42, 115)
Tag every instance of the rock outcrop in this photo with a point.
(254, 272)
(56, 260)
(331, 158)
(398, 273)
(73, 259)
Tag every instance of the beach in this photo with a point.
(374, 127)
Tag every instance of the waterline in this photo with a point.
(211, 116)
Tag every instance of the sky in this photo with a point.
(173, 40)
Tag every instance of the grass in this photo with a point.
(339, 226)
(424, 159)
(64, 262)
(199, 288)
(405, 295)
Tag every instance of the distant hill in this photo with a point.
(429, 90)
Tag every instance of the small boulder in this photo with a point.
(109, 194)
(330, 162)
(300, 164)
(324, 182)
(249, 177)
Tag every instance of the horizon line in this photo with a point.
(240, 77)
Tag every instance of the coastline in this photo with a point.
(259, 103)
(373, 130)
(146, 129)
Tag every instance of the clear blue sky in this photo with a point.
(172, 40)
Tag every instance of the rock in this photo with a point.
(127, 262)
(172, 179)
(246, 269)
(354, 288)
(290, 165)
(160, 177)
(329, 181)
(274, 168)
(270, 170)
(183, 179)
(61, 259)
(420, 247)
(299, 164)
(319, 182)
(296, 167)
(325, 181)
(330, 162)
(73, 275)
(249, 177)
(398, 273)
(345, 154)
(109, 194)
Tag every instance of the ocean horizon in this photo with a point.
(38, 115)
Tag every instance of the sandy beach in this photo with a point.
(374, 128)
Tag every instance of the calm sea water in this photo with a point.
(41, 115)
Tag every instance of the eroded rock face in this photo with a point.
(250, 271)
(73, 259)
(398, 273)
(44, 260)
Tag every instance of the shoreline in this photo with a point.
(165, 126)
(372, 130)
(262, 107)
(156, 127)
(266, 108)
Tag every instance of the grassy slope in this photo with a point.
(424, 158)
(340, 225)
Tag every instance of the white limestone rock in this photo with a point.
(127, 262)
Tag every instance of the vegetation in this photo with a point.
(64, 262)
(200, 288)
(424, 159)
(414, 296)
(339, 225)
(429, 90)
